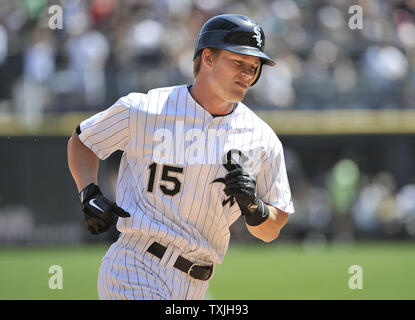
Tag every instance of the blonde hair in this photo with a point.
(197, 61)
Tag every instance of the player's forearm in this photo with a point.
(82, 162)
(270, 229)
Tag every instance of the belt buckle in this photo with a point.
(202, 266)
(191, 268)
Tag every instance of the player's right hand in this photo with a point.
(100, 213)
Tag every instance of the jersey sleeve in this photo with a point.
(109, 130)
(272, 182)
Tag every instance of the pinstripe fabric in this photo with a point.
(129, 272)
(172, 152)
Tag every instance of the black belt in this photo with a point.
(194, 270)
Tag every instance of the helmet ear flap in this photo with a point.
(257, 73)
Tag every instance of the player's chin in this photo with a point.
(238, 94)
(235, 99)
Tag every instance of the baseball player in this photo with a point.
(195, 159)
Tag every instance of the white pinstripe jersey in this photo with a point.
(172, 149)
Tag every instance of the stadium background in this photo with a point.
(341, 100)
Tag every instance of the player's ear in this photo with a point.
(208, 57)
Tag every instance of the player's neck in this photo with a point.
(208, 100)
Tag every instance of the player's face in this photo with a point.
(233, 74)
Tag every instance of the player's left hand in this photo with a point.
(100, 213)
(241, 185)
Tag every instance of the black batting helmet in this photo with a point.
(235, 33)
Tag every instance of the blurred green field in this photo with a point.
(266, 271)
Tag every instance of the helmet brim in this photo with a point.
(250, 51)
(247, 50)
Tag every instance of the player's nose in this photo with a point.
(248, 74)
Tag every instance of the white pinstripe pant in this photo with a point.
(129, 272)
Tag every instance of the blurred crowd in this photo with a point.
(348, 204)
(107, 48)
(344, 204)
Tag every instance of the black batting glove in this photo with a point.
(100, 213)
(242, 186)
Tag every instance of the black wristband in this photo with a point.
(89, 191)
(257, 216)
